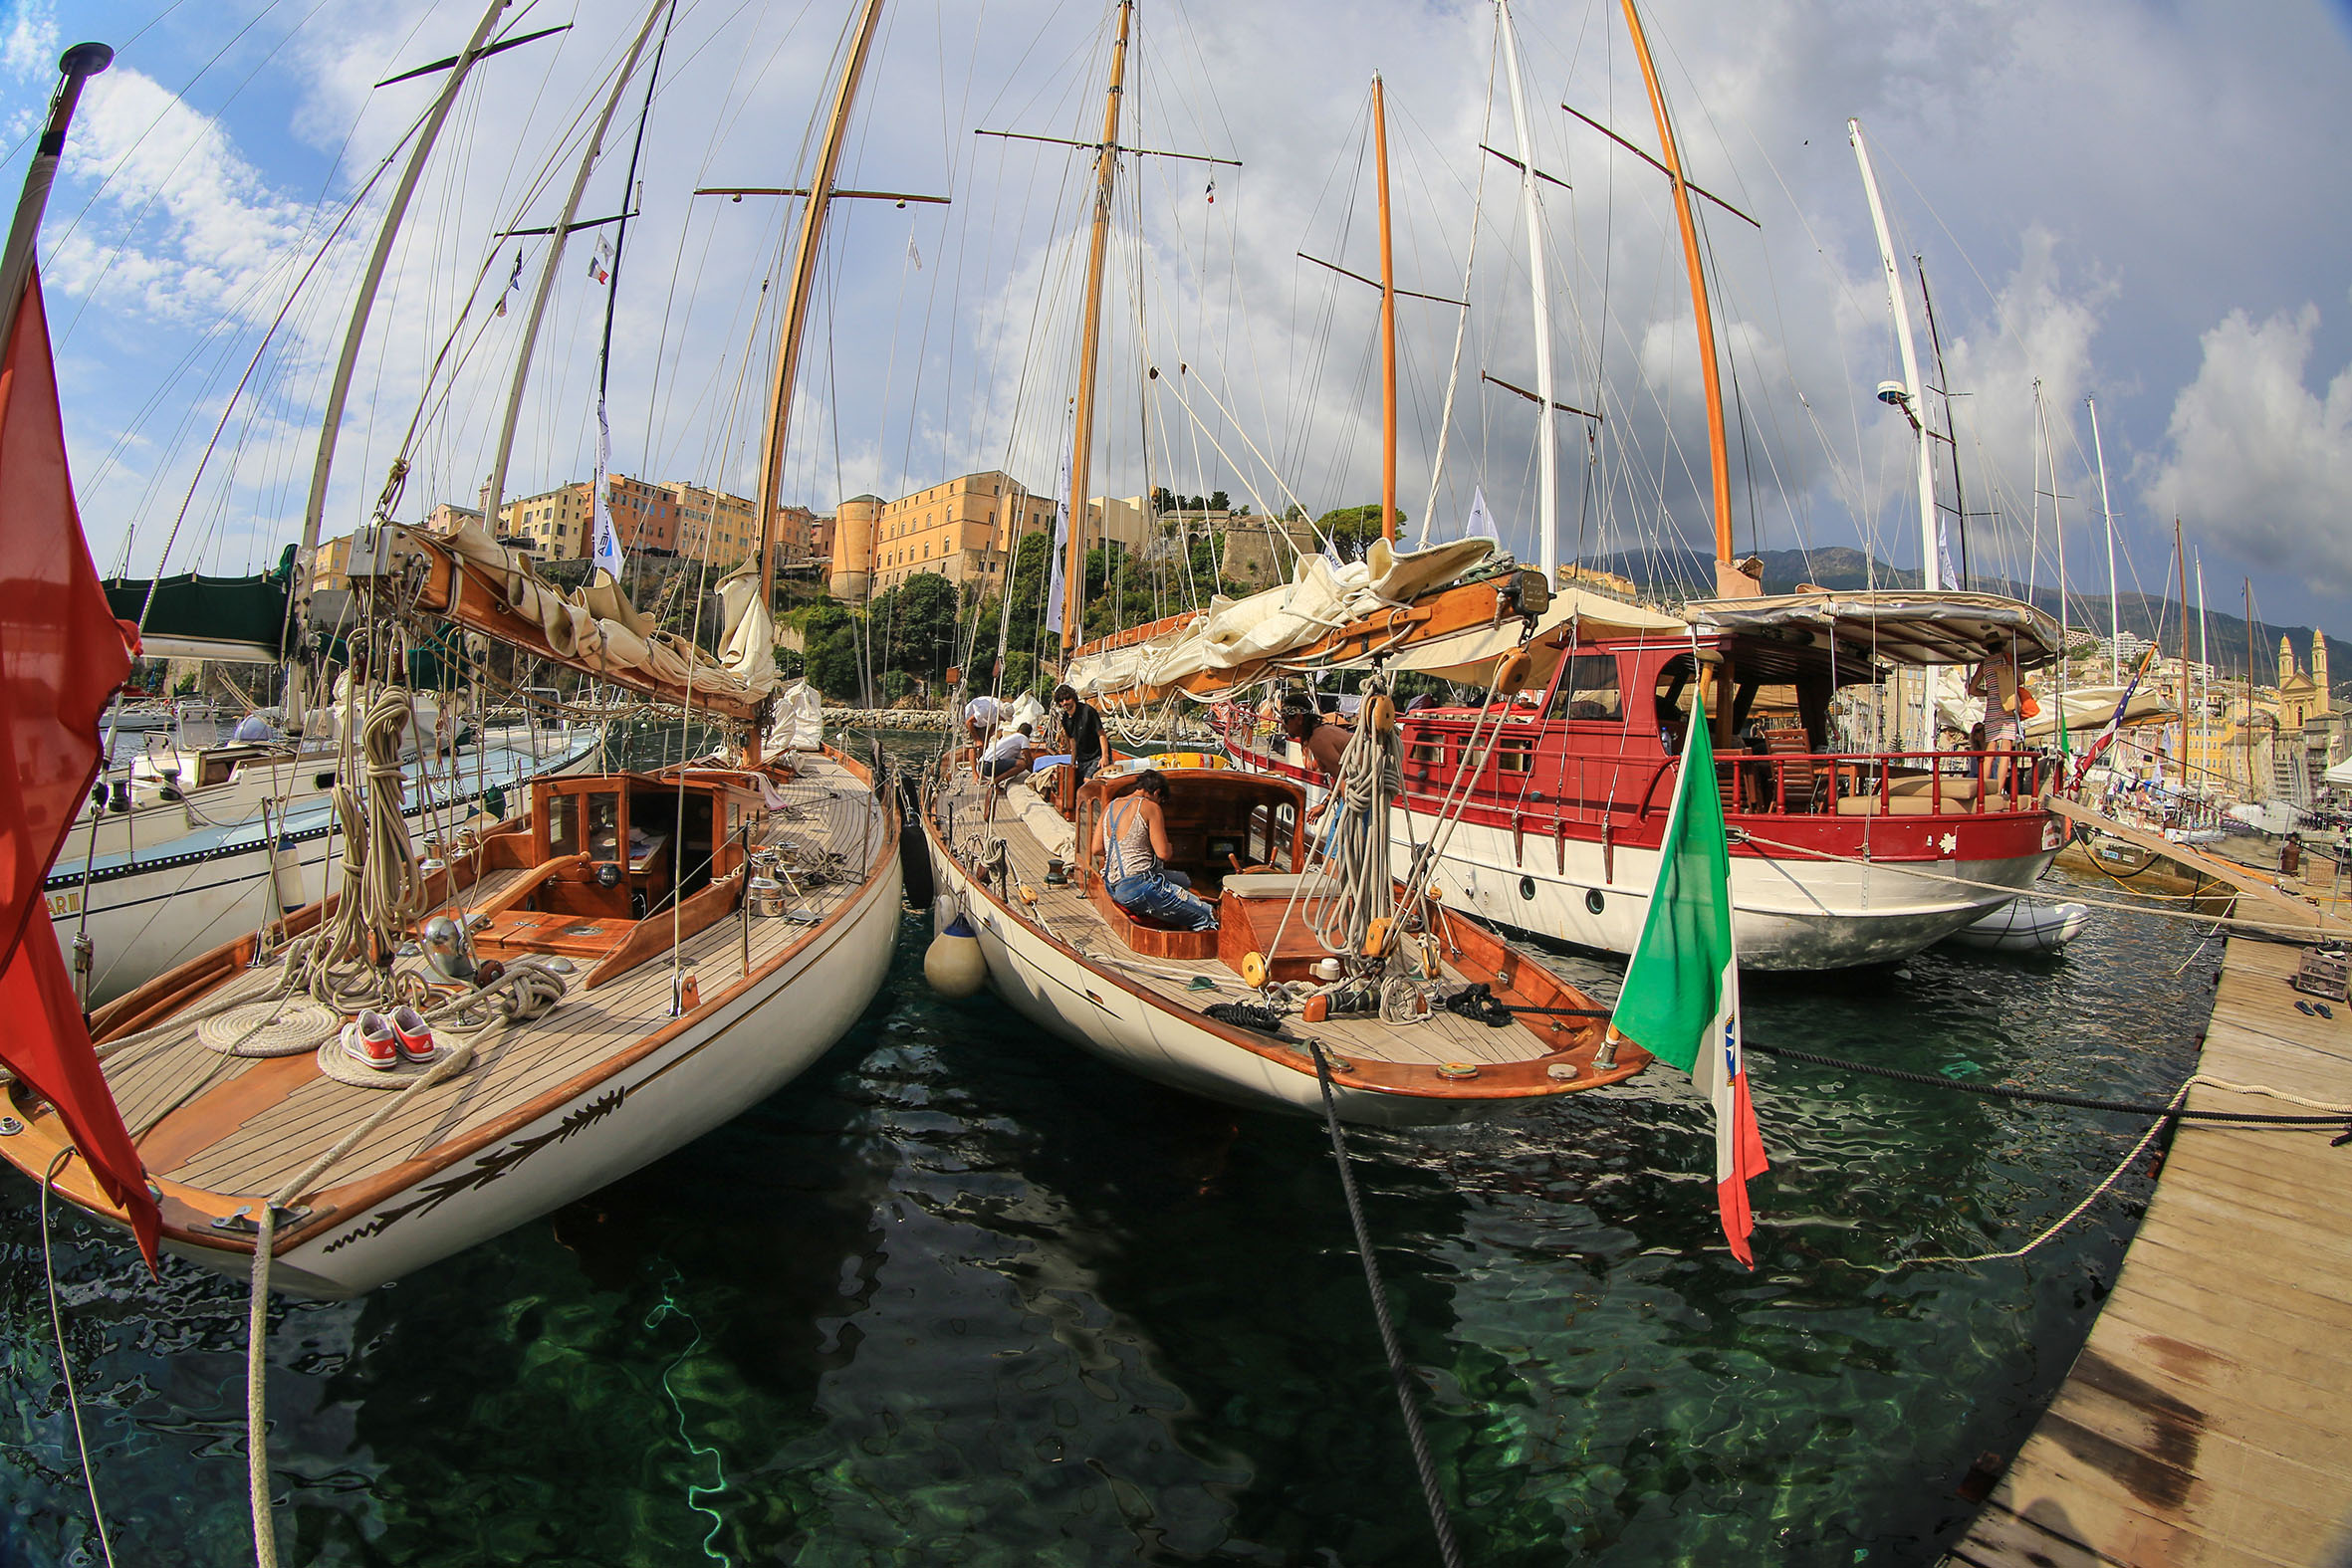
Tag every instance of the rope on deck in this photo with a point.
(1448, 1550)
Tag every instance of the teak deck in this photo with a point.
(242, 1126)
(2208, 1421)
(1070, 916)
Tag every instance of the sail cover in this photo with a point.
(1240, 634)
(241, 619)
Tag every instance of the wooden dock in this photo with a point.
(2260, 898)
(2209, 1419)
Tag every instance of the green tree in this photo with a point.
(1352, 529)
(1221, 502)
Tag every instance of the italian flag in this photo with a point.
(1681, 998)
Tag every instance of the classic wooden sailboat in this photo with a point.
(1840, 857)
(1314, 982)
(632, 962)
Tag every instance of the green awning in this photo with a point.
(193, 616)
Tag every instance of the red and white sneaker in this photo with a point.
(412, 1033)
(368, 1038)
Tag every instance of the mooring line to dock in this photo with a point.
(64, 1365)
(1407, 1387)
(2171, 1110)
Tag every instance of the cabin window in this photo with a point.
(1514, 754)
(603, 825)
(1427, 752)
(562, 824)
(1587, 689)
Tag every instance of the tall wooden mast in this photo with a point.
(1107, 169)
(1387, 322)
(1718, 459)
(798, 287)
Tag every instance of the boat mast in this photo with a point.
(315, 508)
(1107, 170)
(2041, 420)
(1388, 338)
(2249, 688)
(1539, 295)
(547, 270)
(2181, 565)
(1915, 401)
(1718, 458)
(2204, 652)
(77, 65)
(1960, 507)
(2114, 604)
(799, 287)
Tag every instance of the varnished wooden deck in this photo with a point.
(242, 1126)
(2208, 1421)
(1065, 913)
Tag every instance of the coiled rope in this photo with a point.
(1399, 1375)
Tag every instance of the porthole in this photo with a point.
(1527, 887)
(1594, 900)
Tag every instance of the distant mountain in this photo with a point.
(1680, 573)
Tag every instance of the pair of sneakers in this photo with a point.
(385, 1040)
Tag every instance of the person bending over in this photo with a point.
(1132, 840)
(1006, 758)
(980, 717)
(1323, 740)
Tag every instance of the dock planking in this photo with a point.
(2207, 1422)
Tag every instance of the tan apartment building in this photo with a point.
(963, 530)
(553, 524)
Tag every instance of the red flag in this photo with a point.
(62, 654)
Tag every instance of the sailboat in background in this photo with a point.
(439, 1052)
(1310, 985)
(1841, 856)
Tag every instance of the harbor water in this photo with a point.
(962, 1294)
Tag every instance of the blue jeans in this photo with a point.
(1165, 895)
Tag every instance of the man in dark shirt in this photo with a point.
(1083, 728)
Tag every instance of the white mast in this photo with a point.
(547, 272)
(1914, 402)
(2114, 605)
(2204, 656)
(1547, 442)
(315, 508)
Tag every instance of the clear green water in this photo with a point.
(965, 1295)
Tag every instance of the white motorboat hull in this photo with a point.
(743, 1047)
(2024, 928)
(1786, 913)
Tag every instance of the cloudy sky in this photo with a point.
(2137, 203)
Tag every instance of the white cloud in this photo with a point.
(2258, 461)
(194, 229)
(29, 48)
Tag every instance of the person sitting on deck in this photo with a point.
(1006, 758)
(1323, 740)
(1132, 840)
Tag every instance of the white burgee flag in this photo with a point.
(1054, 588)
(606, 548)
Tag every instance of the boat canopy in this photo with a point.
(1575, 616)
(1896, 625)
(238, 619)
